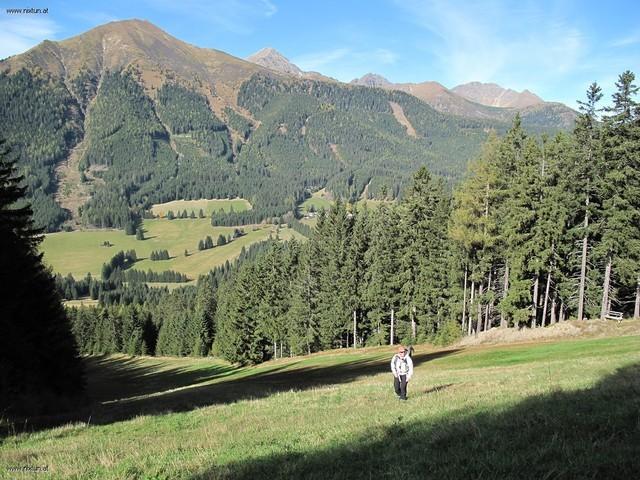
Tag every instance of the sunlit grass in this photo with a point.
(81, 252)
(208, 206)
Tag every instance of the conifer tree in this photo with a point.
(355, 270)
(203, 317)
(302, 322)
(619, 247)
(585, 173)
(474, 226)
(38, 354)
(383, 280)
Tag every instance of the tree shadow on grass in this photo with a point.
(590, 433)
(110, 378)
(120, 388)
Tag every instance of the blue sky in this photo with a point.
(555, 49)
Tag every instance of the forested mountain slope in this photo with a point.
(162, 120)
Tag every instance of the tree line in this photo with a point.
(541, 230)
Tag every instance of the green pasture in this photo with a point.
(556, 409)
(207, 206)
(321, 200)
(80, 252)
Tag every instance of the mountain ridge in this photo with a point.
(493, 95)
(449, 101)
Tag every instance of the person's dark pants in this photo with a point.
(400, 385)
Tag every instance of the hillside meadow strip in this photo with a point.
(555, 409)
(81, 252)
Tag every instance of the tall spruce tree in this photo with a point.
(423, 273)
(619, 246)
(356, 269)
(474, 226)
(38, 355)
(585, 173)
(383, 275)
(202, 322)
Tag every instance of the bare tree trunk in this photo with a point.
(534, 319)
(414, 329)
(473, 291)
(392, 322)
(355, 332)
(503, 320)
(487, 306)
(583, 265)
(479, 319)
(546, 299)
(636, 310)
(604, 307)
(464, 300)
(554, 319)
(561, 312)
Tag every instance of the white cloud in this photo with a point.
(270, 8)
(345, 63)
(235, 16)
(317, 60)
(94, 18)
(385, 56)
(630, 39)
(497, 41)
(19, 33)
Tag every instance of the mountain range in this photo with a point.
(473, 100)
(108, 122)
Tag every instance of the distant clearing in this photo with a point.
(81, 252)
(207, 206)
(319, 200)
(80, 302)
(323, 200)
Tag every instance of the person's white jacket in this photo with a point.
(402, 366)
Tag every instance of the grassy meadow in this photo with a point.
(318, 200)
(80, 252)
(323, 200)
(207, 206)
(554, 409)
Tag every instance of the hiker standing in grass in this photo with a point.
(402, 369)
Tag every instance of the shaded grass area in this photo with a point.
(562, 409)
